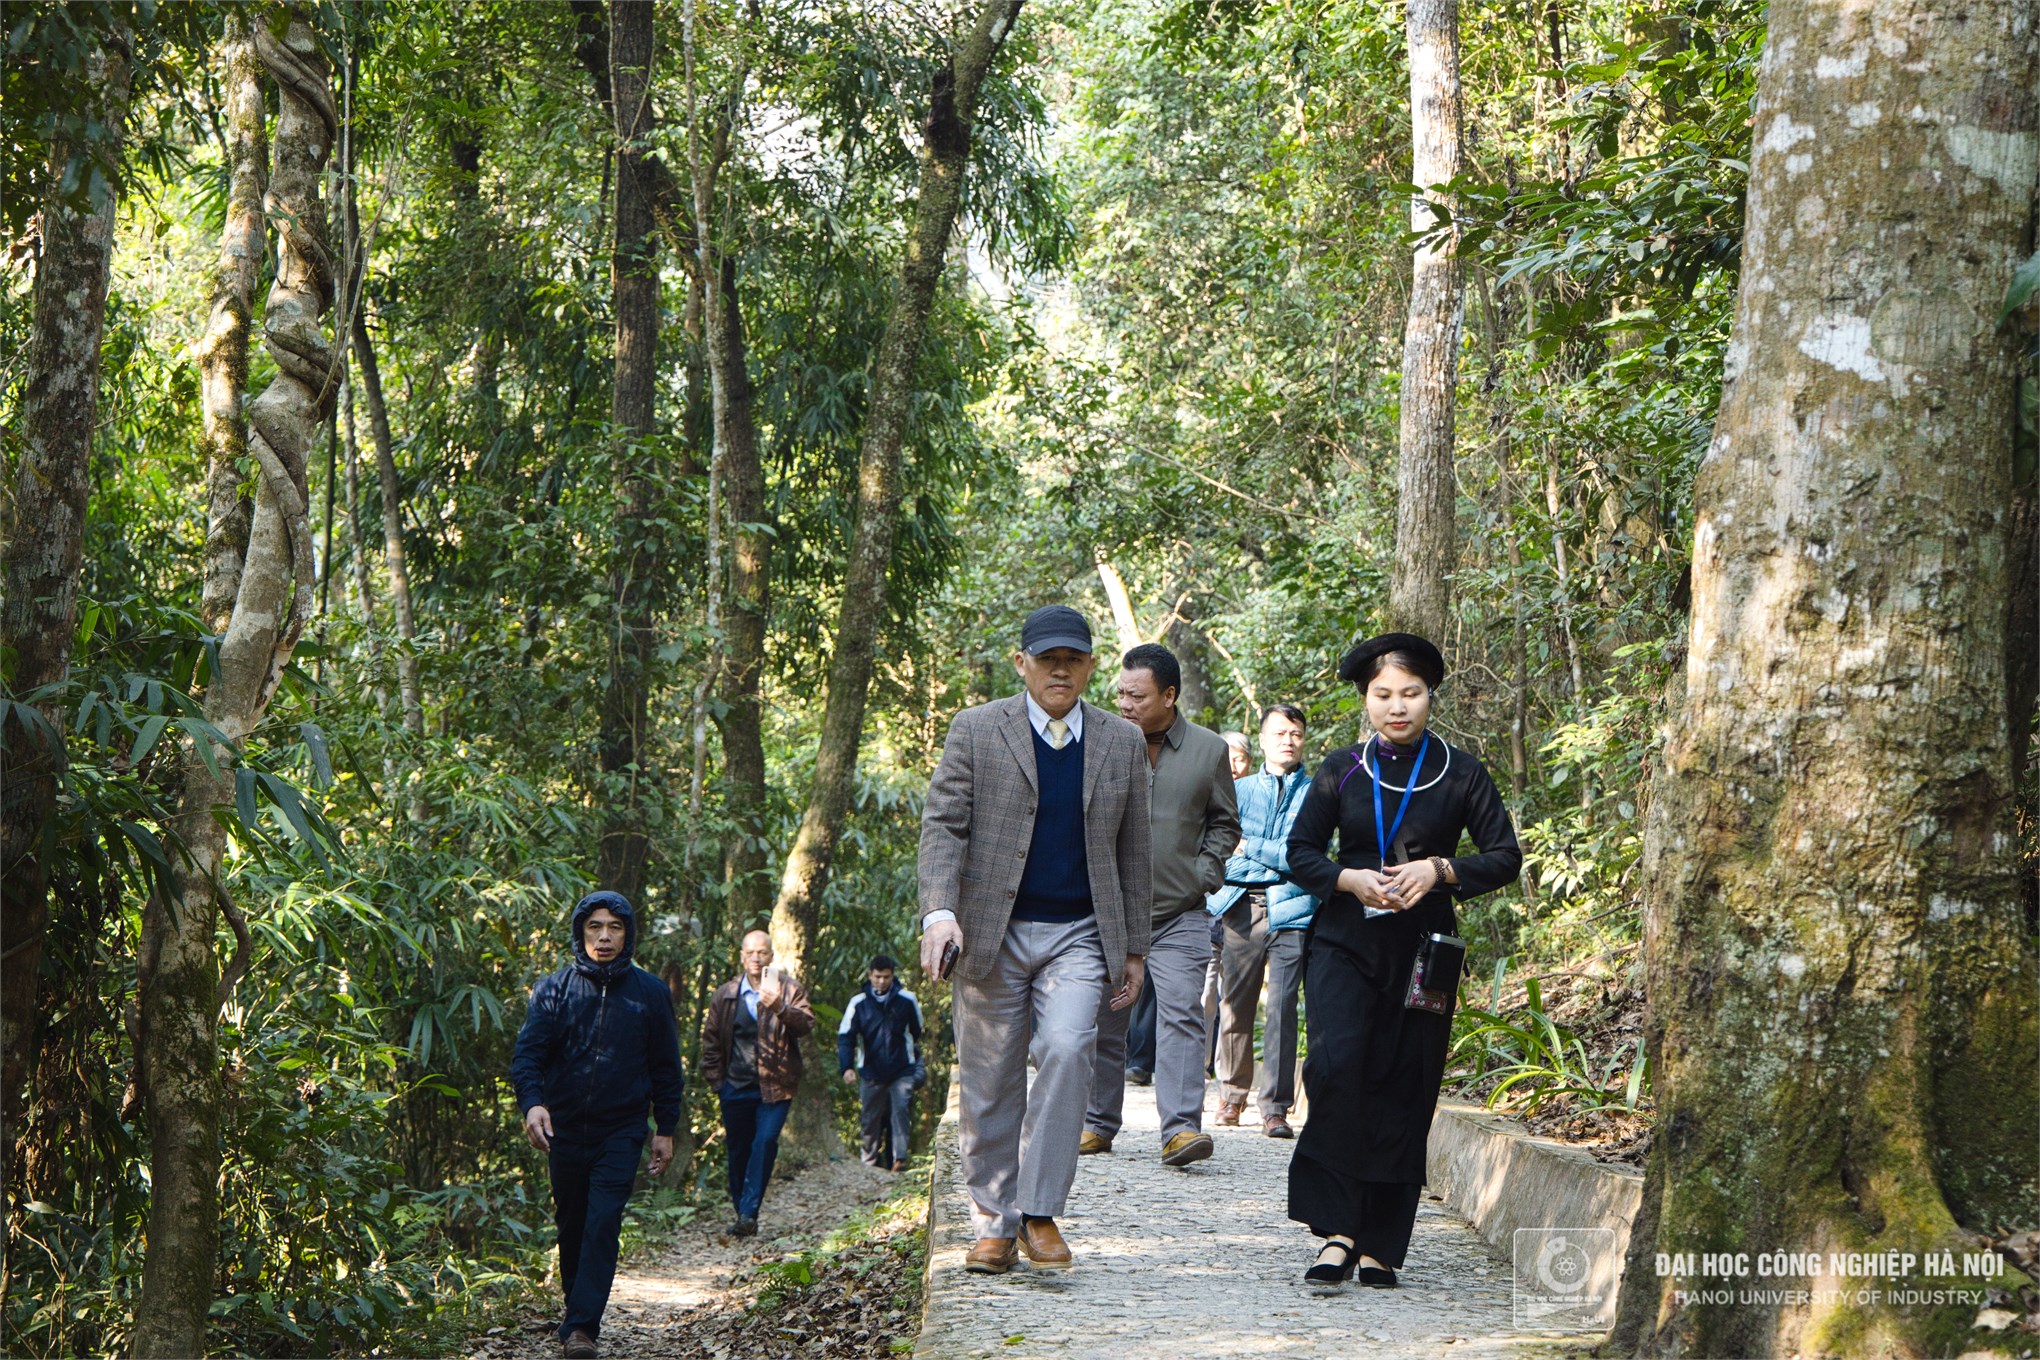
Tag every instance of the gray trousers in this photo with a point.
(1247, 951)
(884, 1107)
(1019, 1144)
(1177, 960)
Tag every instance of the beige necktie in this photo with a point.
(1058, 733)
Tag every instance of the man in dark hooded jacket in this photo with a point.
(600, 1048)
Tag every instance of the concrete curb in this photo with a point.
(943, 1209)
(1501, 1180)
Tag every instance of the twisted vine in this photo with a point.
(284, 419)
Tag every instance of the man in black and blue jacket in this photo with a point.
(600, 1049)
(885, 1021)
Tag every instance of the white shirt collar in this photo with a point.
(1038, 715)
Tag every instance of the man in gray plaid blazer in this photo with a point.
(1035, 862)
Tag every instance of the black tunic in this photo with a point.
(1375, 1066)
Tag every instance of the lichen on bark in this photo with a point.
(1841, 982)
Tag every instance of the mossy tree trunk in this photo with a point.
(1842, 988)
(945, 157)
(268, 557)
(44, 529)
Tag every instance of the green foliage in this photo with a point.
(653, 1217)
(1531, 1058)
(51, 121)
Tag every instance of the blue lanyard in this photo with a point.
(1382, 839)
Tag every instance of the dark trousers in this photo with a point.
(883, 1116)
(751, 1126)
(590, 1183)
(1140, 1030)
(1212, 992)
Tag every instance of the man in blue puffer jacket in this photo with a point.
(599, 1049)
(1265, 918)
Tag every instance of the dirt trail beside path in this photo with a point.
(693, 1294)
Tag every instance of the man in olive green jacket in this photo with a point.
(1194, 823)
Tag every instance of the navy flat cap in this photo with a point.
(1052, 626)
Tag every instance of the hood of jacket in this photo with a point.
(619, 966)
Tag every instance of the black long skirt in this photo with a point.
(1372, 1080)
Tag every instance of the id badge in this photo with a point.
(1403, 853)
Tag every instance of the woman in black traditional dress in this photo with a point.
(1375, 1063)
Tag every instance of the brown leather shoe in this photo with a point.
(1093, 1142)
(1186, 1147)
(578, 1346)
(1275, 1126)
(1228, 1114)
(1043, 1243)
(991, 1256)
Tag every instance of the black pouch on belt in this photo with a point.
(1434, 979)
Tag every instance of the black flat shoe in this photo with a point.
(1377, 1277)
(1332, 1270)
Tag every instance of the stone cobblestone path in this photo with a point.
(1178, 1264)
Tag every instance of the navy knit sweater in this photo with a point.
(1056, 884)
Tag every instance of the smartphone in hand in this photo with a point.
(951, 952)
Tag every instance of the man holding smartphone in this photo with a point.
(599, 1049)
(1035, 898)
(750, 1057)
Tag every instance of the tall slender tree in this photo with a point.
(1419, 592)
(1842, 991)
(741, 477)
(264, 606)
(409, 692)
(945, 157)
(44, 529)
(634, 288)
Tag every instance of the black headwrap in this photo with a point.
(1427, 662)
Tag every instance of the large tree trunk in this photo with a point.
(2022, 636)
(634, 272)
(45, 535)
(1186, 640)
(178, 972)
(1419, 592)
(945, 156)
(1842, 1012)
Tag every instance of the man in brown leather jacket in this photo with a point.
(750, 1057)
